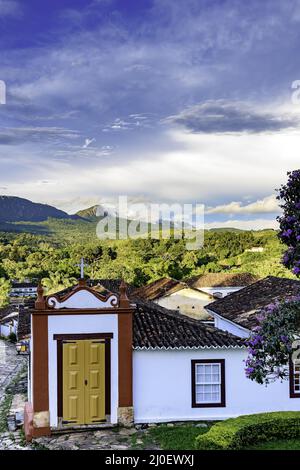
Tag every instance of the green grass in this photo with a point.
(183, 438)
(177, 437)
(292, 444)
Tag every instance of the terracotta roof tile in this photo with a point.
(159, 288)
(155, 327)
(222, 280)
(242, 306)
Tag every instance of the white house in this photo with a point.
(98, 358)
(8, 320)
(23, 289)
(176, 295)
(221, 284)
(237, 312)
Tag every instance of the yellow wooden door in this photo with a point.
(95, 381)
(73, 382)
(83, 382)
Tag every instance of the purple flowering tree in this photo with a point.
(289, 200)
(270, 343)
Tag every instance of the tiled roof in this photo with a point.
(222, 280)
(159, 288)
(19, 285)
(4, 311)
(24, 319)
(242, 306)
(157, 327)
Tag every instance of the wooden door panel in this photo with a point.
(73, 383)
(94, 379)
(83, 382)
(94, 407)
(73, 355)
(95, 376)
(93, 352)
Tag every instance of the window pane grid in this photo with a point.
(296, 378)
(208, 383)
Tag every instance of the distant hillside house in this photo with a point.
(98, 356)
(255, 249)
(221, 284)
(176, 295)
(23, 289)
(8, 320)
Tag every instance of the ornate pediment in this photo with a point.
(82, 298)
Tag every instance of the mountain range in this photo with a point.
(17, 209)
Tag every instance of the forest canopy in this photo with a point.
(54, 259)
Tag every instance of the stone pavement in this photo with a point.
(106, 439)
(10, 364)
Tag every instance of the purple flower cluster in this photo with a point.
(289, 234)
(271, 341)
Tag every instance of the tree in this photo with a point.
(4, 292)
(289, 197)
(271, 343)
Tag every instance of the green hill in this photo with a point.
(15, 209)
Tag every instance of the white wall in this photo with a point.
(162, 387)
(7, 328)
(223, 290)
(186, 299)
(231, 327)
(76, 324)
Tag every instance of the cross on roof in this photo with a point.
(81, 265)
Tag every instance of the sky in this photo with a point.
(185, 101)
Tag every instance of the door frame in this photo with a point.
(60, 338)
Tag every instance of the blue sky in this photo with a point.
(163, 100)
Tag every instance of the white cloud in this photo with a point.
(88, 142)
(202, 169)
(256, 224)
(10, 8)
(268, 204)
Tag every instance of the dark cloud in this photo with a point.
(231, 117)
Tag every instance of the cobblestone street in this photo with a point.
(106, 439)
(10, 364)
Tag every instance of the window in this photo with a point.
(294, 379)
(208, 383)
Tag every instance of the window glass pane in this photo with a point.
(215, 378)
(215, 397)
(208, 383)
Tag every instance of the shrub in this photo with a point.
(12, 337)
(237, 433)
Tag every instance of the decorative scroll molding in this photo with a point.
(82, 298)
